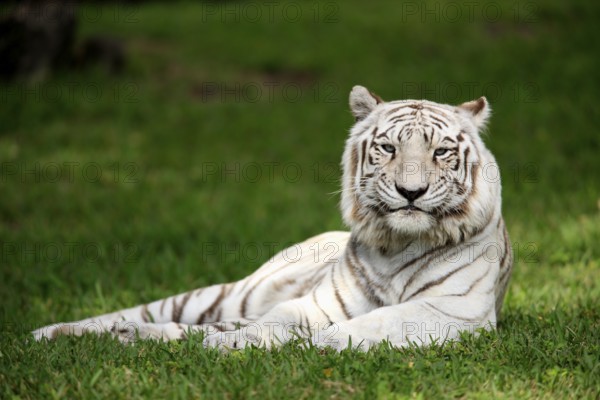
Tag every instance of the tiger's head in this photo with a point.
(417, 169)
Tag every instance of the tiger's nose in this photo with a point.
(411, 195)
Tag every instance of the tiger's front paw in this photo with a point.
(51, 332)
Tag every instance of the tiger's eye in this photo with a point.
(440, 152)
(388, 148)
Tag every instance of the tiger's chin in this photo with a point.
(410, 222)
(394, 230)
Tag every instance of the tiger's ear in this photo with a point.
(479, 110)
(362, 102)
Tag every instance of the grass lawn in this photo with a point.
(221, 144)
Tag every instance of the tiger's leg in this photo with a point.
(201, 305)
(421, 322)
(316, 313)
(289, 274)
(128, 332)
(293, 318)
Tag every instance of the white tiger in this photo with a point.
(428, 255)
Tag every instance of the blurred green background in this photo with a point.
(220, 143)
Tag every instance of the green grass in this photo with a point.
(158, 208)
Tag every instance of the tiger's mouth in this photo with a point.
(410, 208)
